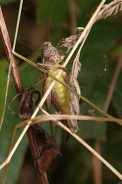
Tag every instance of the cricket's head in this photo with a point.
(50, 53)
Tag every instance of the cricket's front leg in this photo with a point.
(48, 102)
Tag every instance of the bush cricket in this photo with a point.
(55, 67)
(59, 96)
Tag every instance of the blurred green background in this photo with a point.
(99, 59)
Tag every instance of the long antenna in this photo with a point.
(47, 28)
(49, 20)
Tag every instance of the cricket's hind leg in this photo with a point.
(48, 104)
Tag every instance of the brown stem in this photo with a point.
(8, 49)
(72, 12)
(97, 171)
(19, 89)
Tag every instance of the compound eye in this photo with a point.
(46, 44)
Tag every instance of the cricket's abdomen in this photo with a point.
(60, 94)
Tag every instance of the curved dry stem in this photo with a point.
(54, 117)
(91, 150)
